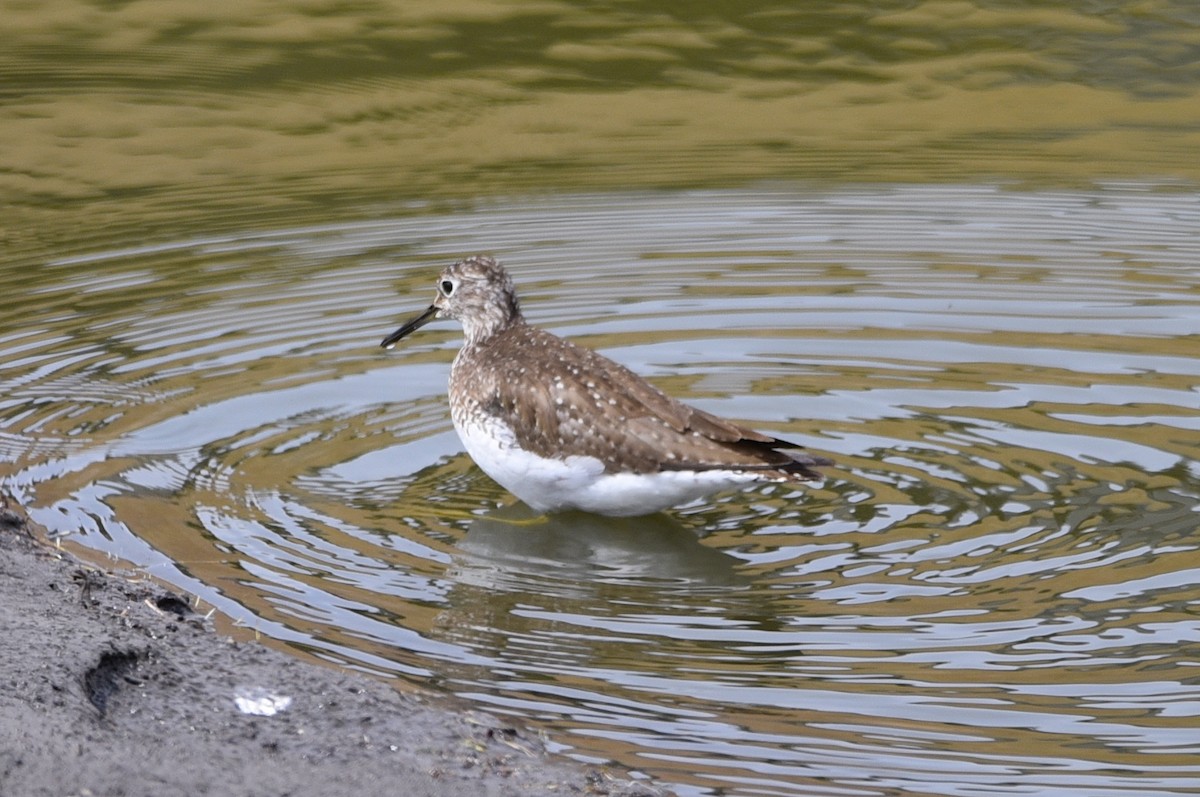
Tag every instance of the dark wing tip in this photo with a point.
(805, 468)
(802, 463)
(768, 455)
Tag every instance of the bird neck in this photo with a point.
(495, 318)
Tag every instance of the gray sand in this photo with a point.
(110, 685)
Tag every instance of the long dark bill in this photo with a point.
(412, 326)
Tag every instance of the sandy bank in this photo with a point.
(112, 685)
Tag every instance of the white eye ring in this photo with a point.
(446, 287)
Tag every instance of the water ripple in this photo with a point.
(993, 592)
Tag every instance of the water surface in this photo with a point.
(169, 118)
(951, 244)
(993, 592)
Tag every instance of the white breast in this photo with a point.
(578, 482)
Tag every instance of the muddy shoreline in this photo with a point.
(112, 685)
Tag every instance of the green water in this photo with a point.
(152, 116)
(952, 245)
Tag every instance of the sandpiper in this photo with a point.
(562, 427)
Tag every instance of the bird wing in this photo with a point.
(573, 401)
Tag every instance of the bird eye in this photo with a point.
(447, 287)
